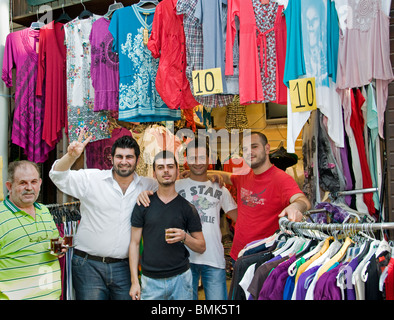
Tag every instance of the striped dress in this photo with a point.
(27, 269)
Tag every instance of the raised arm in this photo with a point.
(74, 151)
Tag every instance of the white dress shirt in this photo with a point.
(105, 226)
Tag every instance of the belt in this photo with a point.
(97, 258)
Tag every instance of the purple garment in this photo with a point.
(21, 51)
(339, 215)
(304, 282)
(104, 67)
(350, 291)
(326, 286)
(274, 285)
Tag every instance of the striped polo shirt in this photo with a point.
(27, 269)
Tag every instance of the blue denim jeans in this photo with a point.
(213, 281)
(178, 287)
(95, 280)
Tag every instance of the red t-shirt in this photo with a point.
(261, 198)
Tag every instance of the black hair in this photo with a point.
(165, 154)
(195, 143)
(126, 142)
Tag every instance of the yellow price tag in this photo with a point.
(302, 94)
(208, 81)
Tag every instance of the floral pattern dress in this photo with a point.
(80, 92)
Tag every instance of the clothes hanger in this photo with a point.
(37, 24)
(64, 17)
(113, 7)
(85, 13)
(145, 2)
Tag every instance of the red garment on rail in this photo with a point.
(357, 124)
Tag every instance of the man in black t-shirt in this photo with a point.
(166, 226)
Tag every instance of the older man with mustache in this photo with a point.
(27, 268)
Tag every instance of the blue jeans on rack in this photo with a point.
(213, 281)
(96, 280)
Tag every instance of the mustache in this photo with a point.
(28, 192)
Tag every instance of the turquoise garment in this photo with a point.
(333, 40)
(373, 125)
(312, 41)
(294, 63)
(139, 100)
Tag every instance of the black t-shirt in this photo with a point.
(160, 259)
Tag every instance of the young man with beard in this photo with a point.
(264, 194)
(208, 198)
(168, 225)
(100, 261)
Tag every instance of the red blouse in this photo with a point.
(167, 42)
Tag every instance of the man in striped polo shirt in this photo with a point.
(27, 268)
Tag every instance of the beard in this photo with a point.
(124, 171)
(258, 162)
(165, 182)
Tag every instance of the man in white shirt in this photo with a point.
(208, 198)
(100, 261)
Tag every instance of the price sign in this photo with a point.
(208, 81)
(302, 94)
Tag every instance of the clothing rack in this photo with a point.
(290, 225)
(57, 205)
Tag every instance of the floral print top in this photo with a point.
(80, 92)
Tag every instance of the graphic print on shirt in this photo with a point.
(203, 199)
(251, 199)
(140, 57)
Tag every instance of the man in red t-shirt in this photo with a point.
(264, 194)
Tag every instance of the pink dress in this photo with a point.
(250, 85)
(21, 52)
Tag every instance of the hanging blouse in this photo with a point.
(364, 48)
(104, 67)
(167, 42)
(80, 92)
(21, 51)
(265, 21)
(52, 69)
(139, 100)
(195, 52)
(250, 87)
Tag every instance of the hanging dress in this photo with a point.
(80, 92)
(104, 67)
(21, 51)
(250, 86)
(52, 69)
(266, 15)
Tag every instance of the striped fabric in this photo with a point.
(27, 269)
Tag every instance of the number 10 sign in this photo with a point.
(302, 94)
(208, 81)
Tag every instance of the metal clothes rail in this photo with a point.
(329, 227)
